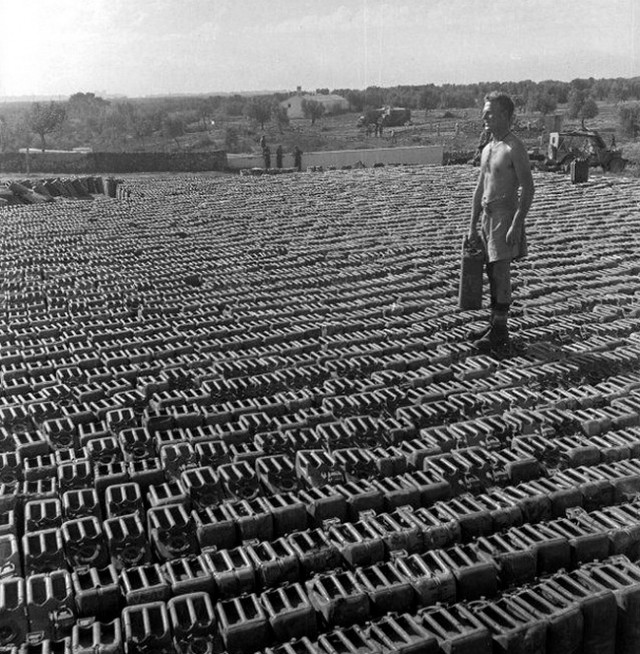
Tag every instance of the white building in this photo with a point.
(331, 103)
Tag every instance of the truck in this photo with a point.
(582, 143)
(386, 116)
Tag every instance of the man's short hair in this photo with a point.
(502, 100)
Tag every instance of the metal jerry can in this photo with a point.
(471, 268)
(579, 169)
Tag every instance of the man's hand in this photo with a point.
(514, 234)
(473, 237)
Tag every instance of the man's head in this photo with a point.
(497, 111)
(502, 100)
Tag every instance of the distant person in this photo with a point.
(279, 154)
(393, 136)
(380, 128)
(266, 154)
(501, 200)
(297, 158)
(263, 142)
(485, 137)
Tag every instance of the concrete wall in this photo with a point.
(425, 154)
(132, 162)
(113, 162)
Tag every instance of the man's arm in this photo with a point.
(522, 168)
(476, 206)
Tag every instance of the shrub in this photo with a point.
(629, 118)
(202, 142)
(631, 152)
(231, 139)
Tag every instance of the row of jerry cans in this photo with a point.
(342, 313)
(172, 336)
(263, 333)
(578, 450)
(525, 461)
(463, 571)
(218, 480)
(16, 417)
(173, 529)
(69, 337)
(591, 610)
(621, 415)
(190, 623)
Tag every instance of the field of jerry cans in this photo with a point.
(241, 415)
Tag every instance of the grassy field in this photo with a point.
(458, 131)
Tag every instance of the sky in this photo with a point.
(153, 47)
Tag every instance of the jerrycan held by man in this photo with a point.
(471, 268)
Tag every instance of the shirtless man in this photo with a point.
(501, 201)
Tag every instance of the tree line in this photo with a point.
(134, 124)
(89, 120)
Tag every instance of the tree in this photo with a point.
(519, 102)
(134, 121)
(429, 98)
(544, 102)
(82, 105)
(354, 98)
(231, 139)
(374, 96)
(4, 133)
(234, 105)
(629, 118)
(259, 109)
(205, 109)
(45, 119)
(589, 109)
(312, 109)
(581, 105)
(619, 91)
(173, 127)
(580, 84)
(280, 116)
(113, 129)
(577, 99)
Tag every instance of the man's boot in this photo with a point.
(474, 335)
(478, 333)
(498, 334)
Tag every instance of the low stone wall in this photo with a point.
(112, 162)
(424, 154)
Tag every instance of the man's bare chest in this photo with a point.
(499, 159)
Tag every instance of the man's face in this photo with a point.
(494, 118)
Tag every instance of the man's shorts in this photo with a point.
(495, 223)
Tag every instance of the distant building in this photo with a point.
(331, 103)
